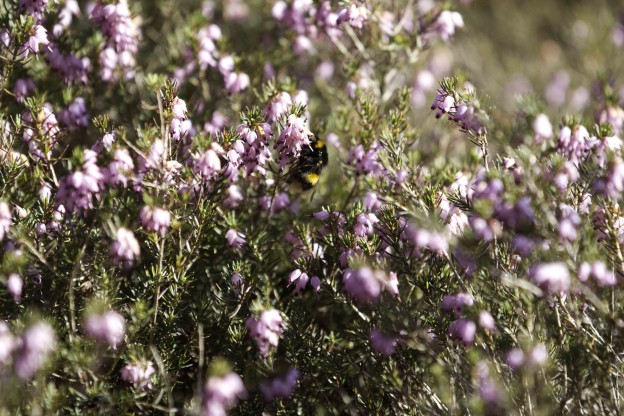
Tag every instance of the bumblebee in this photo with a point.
(306, 171)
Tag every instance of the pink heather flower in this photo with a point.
(208, 164)
(364, 284)
(139, 374)
(238, 284)
(234, 196)
(599, 271)
(107, 328)
(293, 138)
(365, 162)
(125, 248)
(613, 184)
(614, 115)
(121, 168)
(356, 15)
(552, 277)
(575, 143)
(381, 343)
(392, 285)
(325, 70)
(464, 330)
(421, 238)
(221, 394)
(515, 359)
(69, 66)
(281, 386)
(557, 89)
(32, 350)
(23, 87)
(7, 343)
(266, 330)
(235, 239)
(538, 356)
(180, 124)
(121, 39)
(489, 392)
(542, 127)
(486, 321)
(457, 303)
(207, 53)
(5, 219)
(446, 24)
(365, 225)
(423, 83)
(216, 124)
(35, 8)
(300, 279)
(38, 38)
(156, 219)
(15, 284)
(277, 106)
(78, 189)
(75, 116)
(41, 229)
(236, 82)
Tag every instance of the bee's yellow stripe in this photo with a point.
(312, 178)
(319, 144)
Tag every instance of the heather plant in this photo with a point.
(461, 252)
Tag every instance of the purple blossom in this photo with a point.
(235, 239)
(266, 330)
(234, 196)
(139, 374)
(381, 343)
(38, 37)
(120, 169)
(446, 24)
(78, 190)
(7, 343)
(121, 39)
(552, 277)
(236, 82)
(108, 328)
(208, 164)
(23, 87)
(575, 143)
(364, 284)
(71, 67)
(292, 139)
(365, 225)
(5, 219)
(15, 284)
(464, 330)
(75, 116)
(277, 106)
(365, 162)
(156, 219)
(486, 321)
(421, 238)
(457, 302)
(281, 386)
(125, 248)
(32, 349)
(300, 279)
(542, 128)
(221, 394)
(515, 359)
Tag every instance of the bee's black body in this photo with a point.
(307, 169)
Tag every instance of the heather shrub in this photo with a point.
(459, 250)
